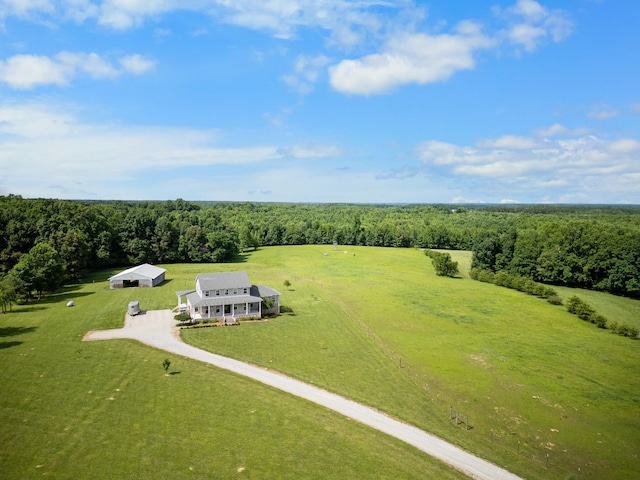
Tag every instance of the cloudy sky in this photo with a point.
(321, 100)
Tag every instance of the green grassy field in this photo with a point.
(106, 410)
(373, 324)
(381, 327)
(619, 309)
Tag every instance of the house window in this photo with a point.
(226, 292)
(235, 291)
(245, 290)
(206, 294)
(217, 292)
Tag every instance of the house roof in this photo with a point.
(182, 293)
(143, 271)
(197, 301)
(223, 280)
(262, 291)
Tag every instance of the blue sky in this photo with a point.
(321, 101)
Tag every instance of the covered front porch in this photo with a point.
(222, 307)
(245, 309)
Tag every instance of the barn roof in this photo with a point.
(140, 272)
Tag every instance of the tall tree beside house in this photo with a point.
(41, 270)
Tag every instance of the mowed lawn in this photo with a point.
(105, 410)
(547, 395)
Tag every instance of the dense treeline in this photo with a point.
(565, 251)
(594, 247)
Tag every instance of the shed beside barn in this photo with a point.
(144, 275)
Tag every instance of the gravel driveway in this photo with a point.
(157, 329)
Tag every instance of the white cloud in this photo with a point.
(90, 63)
(588, 165)
(603, 112)
(526, 35)
(348, 22)
(529, 9)
(303, 152)
(64, 151)
(557, 130)
(512, 142)
(531, 24)
(24, 72)
(552, 131)
(407, 171)
(410, 58)
(137, 64)
(79, 10)
(305, 73)
(23, 8)
(28, 71)
(624, 145)
(124, 14)
(421, 58)
(403, 52)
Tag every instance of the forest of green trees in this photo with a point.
(595, 247)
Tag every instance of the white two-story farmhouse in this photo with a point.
(228, 296)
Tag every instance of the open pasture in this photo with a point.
(547, 395)
(373, 324)
(107, 410)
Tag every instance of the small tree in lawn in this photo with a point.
(166, 364)
(287, 284)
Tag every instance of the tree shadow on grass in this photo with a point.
(241, 258)
(62, 297)
(174, 373)
(13, 331)
(32, 308)
(4, 345)
(285, 310)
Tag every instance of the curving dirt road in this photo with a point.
(157, 329)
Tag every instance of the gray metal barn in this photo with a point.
(144, 275)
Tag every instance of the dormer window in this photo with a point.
(206, 293)
(235, 291)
